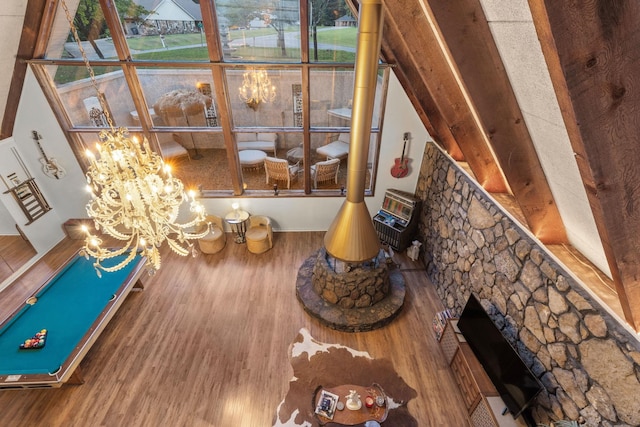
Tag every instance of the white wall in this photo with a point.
(7, 224)
(68, 196)
(514, 33)
(43, 233)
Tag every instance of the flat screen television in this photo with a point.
(514, 381)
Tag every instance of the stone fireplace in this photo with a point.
(348, 284)
(349, 296)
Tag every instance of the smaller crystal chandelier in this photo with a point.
(256, 88)
(135, 198)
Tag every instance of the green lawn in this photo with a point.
(338, 37)
(70, 74)
(347, 37)
(245, 53)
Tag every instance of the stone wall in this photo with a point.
(588, 362)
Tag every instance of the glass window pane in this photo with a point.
(265, 31)
(88, 141)
(80, 99)
(329, 159)
(188, 46)
(331, 93)
(206, 167)
(265, 97)
(180, 97)
(333, 32)
(331, 97)
(165, 32)
(92, 30)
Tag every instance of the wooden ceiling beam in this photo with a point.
(408, 22)
(591, 50)
(395, 52)
(26, 48)
(468, 38)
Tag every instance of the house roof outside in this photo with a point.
(154, 6)
(346, 20)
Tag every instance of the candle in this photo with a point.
(368, 401)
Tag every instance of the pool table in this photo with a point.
(74, 306)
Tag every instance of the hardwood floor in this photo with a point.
(16, 251)
(206, 344)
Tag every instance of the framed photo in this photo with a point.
(327, 404)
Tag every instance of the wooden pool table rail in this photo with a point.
(69, 372)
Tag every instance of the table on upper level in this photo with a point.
(252, 158)
(341, 113)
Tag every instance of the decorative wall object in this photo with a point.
(296, 90)
(50, 166)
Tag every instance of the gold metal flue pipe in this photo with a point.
(351, 236)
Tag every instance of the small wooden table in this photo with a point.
(350, 417)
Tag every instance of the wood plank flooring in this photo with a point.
(206, 344)
(14, 253)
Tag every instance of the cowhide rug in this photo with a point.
(328, 365)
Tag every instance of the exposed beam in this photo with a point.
(426, 56)
(26, 48)
(591, 49)
(466, 33)
(395, 52)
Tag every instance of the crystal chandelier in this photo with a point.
(135, 199)
(256, 88)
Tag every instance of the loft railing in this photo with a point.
(30, 199)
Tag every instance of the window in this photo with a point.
(216, 96)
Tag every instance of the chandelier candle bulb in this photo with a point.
(125, 202)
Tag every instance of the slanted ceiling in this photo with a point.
(450, 65)
(461, 64)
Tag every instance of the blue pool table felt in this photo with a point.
(66, 307)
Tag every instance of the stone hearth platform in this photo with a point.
(349, 319)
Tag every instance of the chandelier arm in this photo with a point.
(135, 199)
(177, 248)
(119, 266)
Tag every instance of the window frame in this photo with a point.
(217, 68)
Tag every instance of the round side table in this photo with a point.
(237, 220)
(251, 158)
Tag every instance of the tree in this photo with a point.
(285, 13)
(239, 12)
(91, 25)
(324, 13)
(317, 12)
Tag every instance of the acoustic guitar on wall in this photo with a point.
(401, 167)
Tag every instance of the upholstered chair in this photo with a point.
(335, 149)
(259, 234)
(280, 170)
(215, 240)
(325, 171)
